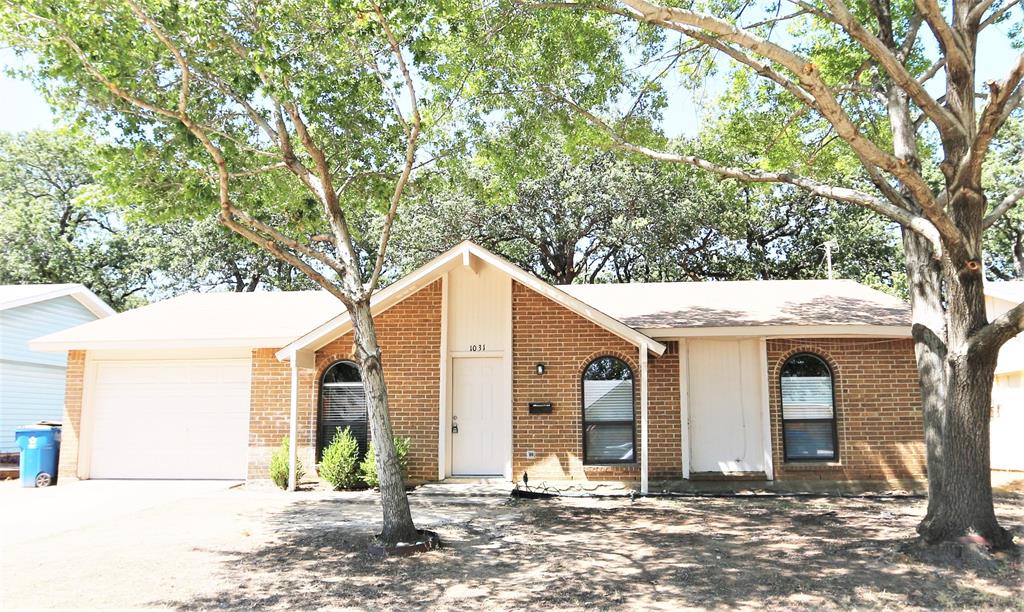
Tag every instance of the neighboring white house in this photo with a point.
(31, 382)
(1008, 388)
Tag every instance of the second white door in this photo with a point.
(725, 403)
(480, 419)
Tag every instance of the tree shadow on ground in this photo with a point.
(689, 552)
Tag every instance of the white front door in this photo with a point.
(725, 405)
(480, 427)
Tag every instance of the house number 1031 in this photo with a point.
(476, 348)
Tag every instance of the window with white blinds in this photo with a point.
(608, 421)
(808, 409)
(807, 397)
(342, 405)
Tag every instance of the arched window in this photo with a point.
(342, 404)
(808, 409)
(609, 435)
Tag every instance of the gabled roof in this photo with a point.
(222, 320)
(464, 254)
(13, 296)
(304, 321)
(740, 304)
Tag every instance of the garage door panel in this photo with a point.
(180, 371)
(171, 419)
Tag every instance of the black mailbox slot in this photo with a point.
(540, 407)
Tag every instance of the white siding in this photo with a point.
(478, 306)
(1011, 355)
(32, 383)
(478, 333)
(1008, 422)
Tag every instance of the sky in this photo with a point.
(22, 108)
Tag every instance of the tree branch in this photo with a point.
(1002, 208)
(1003, 98)
(998, 332)
(908, 43)
(811, 80)
(225, 218)
(179, 57)
(902, 216)
(945, 121)
(413, 132)
(932, 70)
(949, 41)
(997, 14)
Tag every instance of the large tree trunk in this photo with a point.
(924, 280)
(398, 525)
(966, 508)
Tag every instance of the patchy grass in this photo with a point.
(581, 553)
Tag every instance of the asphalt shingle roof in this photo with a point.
(744, 303)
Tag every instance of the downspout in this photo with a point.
(643, 419)
(293, 422)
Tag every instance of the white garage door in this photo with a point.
(170, 419)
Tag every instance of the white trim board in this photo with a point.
(160, 345)
(460, 255)
(442, 412)
(684, 407)
(783, 331)
(80, 293)
(766, 414)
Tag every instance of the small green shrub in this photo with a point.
(368, 468)
(279, 466)
(340, 462)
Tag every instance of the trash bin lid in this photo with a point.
(49, 423)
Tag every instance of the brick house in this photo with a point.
(493, 372)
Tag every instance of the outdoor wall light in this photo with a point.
(540, 369)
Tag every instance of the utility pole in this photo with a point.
(829, 245)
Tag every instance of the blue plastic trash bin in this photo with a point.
(40, 452)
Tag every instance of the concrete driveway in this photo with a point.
(41, 513)
(130, 544)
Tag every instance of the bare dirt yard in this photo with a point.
(255, 547)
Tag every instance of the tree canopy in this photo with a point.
(592, 216)
(61, 223)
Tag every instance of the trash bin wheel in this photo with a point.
(43, 480)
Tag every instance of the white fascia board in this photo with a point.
(95, 305)
(613, 325)
(59, 346)
(464, 253)
(80, 293)
(1011, 295)
(386, 298)
(784, 331)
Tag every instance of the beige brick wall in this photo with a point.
(878, 409)
(270, 409)
(71, 425)
(409, 335)
(877, 397)
(545, 332)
